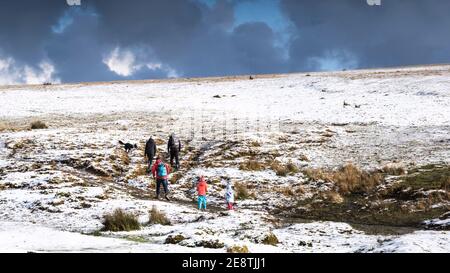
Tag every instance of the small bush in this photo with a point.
(251, 165)
(174, 239)
(120, 220)
(317, 174)
(175, 177)
(304, 158)
(299, 190)
(210, 244)
(36, 125)
(333, 197)
(85, 205)
(394, 170)
(287, 191)
(350, 179)
(284, 170)
(8, 127)
(158, 217)
(124, 157)
(140, 170)
(21, 144)
(241, 191)
(95, 169)
(255, 144)
(292, 148)
(3, 127)
(283, 139)
(279, 169)
(292, 168)
(238, 249)
(270, 239)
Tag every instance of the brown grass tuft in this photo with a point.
(251, 165)
(4, 126)
(284, 170)
(304, 158)
(292, 168)
(270, 239)
(174, 239)
(317, 174)
(120, 220)
(159, 141)
(238, 249)
(299, 190)
(332, 196)
(241, 191)
(124, 157)
(158, 217)
(327, 134)
(36, 125)
(394, 170)
(255, 144)
(287, 191)
(349, 179)
(175, 178)
(140, 170)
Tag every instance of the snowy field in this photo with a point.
(56, 184)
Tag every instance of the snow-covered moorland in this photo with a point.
(354, 161)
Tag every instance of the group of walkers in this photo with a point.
(160, 172)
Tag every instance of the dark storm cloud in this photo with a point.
(25, 25)
(190, 38)
(399, 32)
(182, 36)
(77, 53)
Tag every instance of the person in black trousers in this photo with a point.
(174, 148)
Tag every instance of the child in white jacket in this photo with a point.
(229, 196)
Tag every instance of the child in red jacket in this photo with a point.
(202, 188)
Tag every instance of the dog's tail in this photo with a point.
(121, 143)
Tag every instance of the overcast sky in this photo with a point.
(48, 40)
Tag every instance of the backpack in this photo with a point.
(173, 141)
(162, 171)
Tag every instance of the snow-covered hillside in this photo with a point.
(56, 184)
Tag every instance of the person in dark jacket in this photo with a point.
(160, 172)
(150, 152)
(174, 148)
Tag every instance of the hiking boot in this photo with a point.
(157, 197)
(167, 198)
